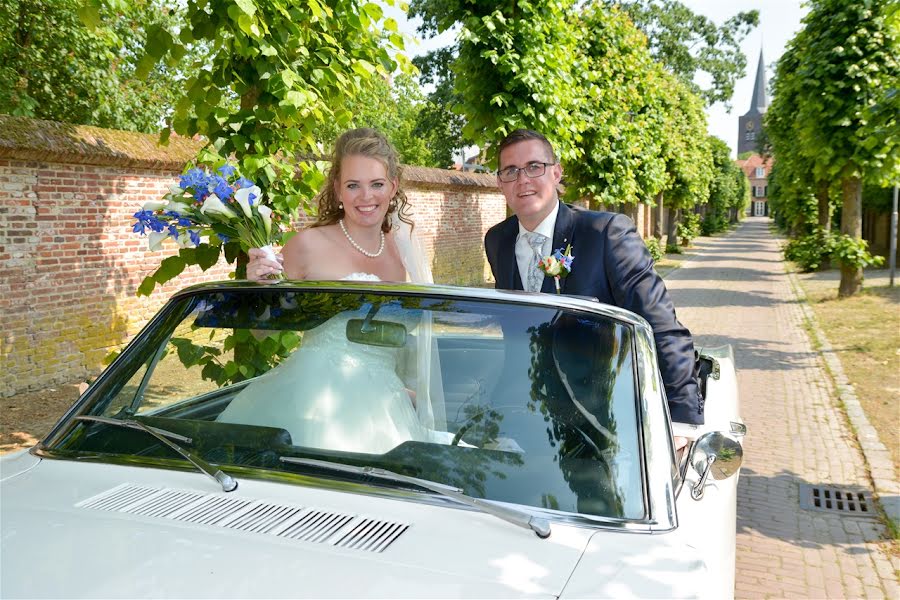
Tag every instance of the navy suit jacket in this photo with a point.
(613, 265)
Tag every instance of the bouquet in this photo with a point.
(220, 206)
(558, 264)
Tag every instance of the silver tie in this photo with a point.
(535, 275)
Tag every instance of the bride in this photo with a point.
(333, 393)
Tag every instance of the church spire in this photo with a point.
(759, 102)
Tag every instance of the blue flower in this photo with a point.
(243, 182)
(195, 236)
(223, 238)
(195, 178)
(173, 230)
(147, 219)
(221, 189)
(226, 170)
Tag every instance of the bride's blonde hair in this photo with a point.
(371, 144)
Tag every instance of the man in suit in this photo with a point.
(611, 261)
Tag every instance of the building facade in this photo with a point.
(755, 167)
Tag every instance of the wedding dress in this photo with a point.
(335, 394)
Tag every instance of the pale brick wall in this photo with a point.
(70, 265)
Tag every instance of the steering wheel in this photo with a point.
(494, 415)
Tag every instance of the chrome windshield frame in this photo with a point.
(655, 428)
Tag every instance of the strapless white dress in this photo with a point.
(334, 394)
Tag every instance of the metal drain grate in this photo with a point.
(855, 502)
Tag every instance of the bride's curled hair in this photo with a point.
(367, 142)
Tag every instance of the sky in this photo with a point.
(779, 20)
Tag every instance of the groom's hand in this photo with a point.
(260, 267)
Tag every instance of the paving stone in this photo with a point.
(736, 291)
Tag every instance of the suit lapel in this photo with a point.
(506, 256)
(563, 232)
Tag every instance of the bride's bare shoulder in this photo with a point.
(307, 239)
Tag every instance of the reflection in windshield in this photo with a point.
(509, 402)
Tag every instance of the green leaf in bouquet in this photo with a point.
(207, 255)
(169, 268)
(232, 250)
(146, 287)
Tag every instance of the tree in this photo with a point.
(437, 121)
(847, 81)
(623, 113)
(688, 157)
(728, 189)
(56, 67)
(393, 106)
(276, 72)
(689, 44)
(517, 66)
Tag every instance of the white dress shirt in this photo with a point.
(524, 253)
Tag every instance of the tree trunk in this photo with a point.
(671, 225)
(851, 224)
(824, 208)
(659, 217)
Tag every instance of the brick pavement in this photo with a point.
(736, 291)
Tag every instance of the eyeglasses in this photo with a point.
(532, 169)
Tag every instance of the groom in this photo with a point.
(611, 262)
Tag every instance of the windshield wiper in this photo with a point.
(228, 483)
(517, 517)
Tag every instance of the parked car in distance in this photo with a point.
(365, 439)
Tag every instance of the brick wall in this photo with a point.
(70, 266)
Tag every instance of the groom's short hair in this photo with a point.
(523, 135)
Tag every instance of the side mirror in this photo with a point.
(715, 454)
(376, 333)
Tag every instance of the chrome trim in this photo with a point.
(659, 447)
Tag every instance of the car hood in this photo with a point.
(73, 529)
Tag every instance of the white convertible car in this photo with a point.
(356, 439)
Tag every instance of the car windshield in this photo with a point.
(508, 401)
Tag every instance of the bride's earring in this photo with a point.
(341, 206)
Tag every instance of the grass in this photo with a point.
(864, 332)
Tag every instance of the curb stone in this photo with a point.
(875, 453)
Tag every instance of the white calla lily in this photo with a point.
(213, 205)
(179, 207)
(154, 205)
(242, 196)
(266, 214)
(176, 190)
(155, 240)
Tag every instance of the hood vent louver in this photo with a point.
(301, 524)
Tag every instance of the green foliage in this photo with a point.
(272, 74)
(816, 249)
(727, 190)
(689, 44)
(252, 356)
(688, 228)
(810, 251)
(689, 159)
(277, 71)
(393, 107)
(436, 121)
(517, 66)
(835, 114)
(624, 113)
(854, 252)
(65, 61)
(654, 248)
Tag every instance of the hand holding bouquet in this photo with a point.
(221, 206)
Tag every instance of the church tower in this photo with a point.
(750, 125)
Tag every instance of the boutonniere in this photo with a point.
(558, 264)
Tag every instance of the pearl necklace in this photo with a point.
(360, 248)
